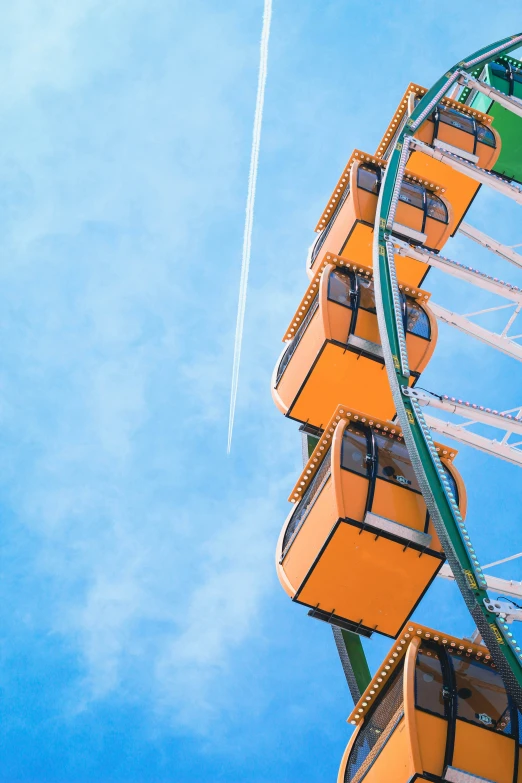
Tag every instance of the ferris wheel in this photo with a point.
(379, 509)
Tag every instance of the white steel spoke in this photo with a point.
(505, 586)
(504, 251)
(477, 413)
(470, 170)
(510, 103)
(494, 448)
(499, 342)
(460, 271)
(510, 322)
(504, 560)
(487, 310)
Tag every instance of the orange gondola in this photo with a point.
(334, 351)
(359, 547)
(423, 217)
(436, 710)
(451, 127)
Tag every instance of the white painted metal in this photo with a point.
(489, 53)
(443, 145)
(466, 273)
(504, 251)
(406, 231)
(474, 172)
(486, 310)
(511, 104)
(500, 342)
(455, 775)
(506, 587)
(505, 610)
(504, 560)
(476, 413)
(459, 432)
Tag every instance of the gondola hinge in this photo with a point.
(505, 610)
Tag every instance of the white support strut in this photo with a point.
(504, 586)
(511, 104)
(470, 170)
(460, 271)
(503, 251)
(497, 341)
(458, 432)
(476, 413)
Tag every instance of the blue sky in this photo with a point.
(145, 635)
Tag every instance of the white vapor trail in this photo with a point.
(249, 213)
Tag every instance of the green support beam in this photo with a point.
(353, 660)
(443, 509)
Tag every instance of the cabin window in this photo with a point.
(436, 208)
(306, 502)
(498, 70)
(340, 287)
(319, 242)
(486, 136)
(417, 321)
(429, 682)
(412, 194)
(354, 452)
(508, 72)
(294, 342)
(394, 463)
(456, 119)
(366, 294)
(379, 724)
(481, 695)
(452, 482)
(368, 178)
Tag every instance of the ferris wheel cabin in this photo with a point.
(437, 710)
(505, 75)
(358, 547)
(345, 229)
(333, 352)
(452, 127)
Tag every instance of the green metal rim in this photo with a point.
(505, 651)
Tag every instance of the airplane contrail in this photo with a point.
(249, 213)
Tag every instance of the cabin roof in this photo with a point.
(342, 412)
(313, 288)
(410, 632)
(344, 179)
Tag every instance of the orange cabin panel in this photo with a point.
(353, 495)
(484, 753)
(358, 245)
(366, 327)
(432, 734)
(368, 579)
(393, 501)
(311, 537)
(342, 375)
(395, 764)
(409, 216)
